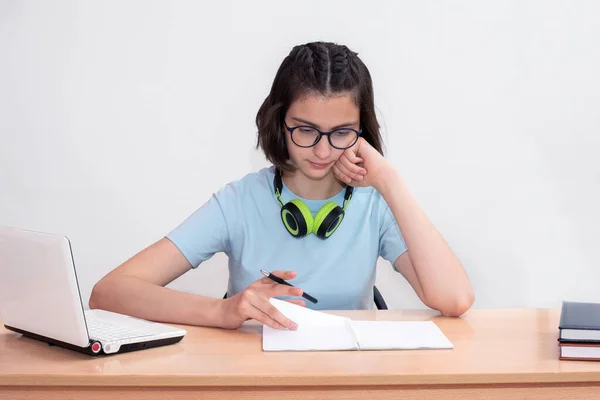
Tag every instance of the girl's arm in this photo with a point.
(136, 288)
(429, 266)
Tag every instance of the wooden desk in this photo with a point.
(508, 354)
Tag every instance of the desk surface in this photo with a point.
(491, 347)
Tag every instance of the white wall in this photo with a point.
(116, 120)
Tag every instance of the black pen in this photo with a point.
(279, 280)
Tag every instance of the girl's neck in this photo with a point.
(311, 189)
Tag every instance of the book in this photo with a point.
(319, 331)
(579, 351)
(579, 322)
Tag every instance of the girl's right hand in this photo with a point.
(253, 303)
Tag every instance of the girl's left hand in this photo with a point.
(360, 165)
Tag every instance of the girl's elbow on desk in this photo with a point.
(454, 306)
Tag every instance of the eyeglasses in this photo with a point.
(307, 136)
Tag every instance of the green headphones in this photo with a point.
(298, 219)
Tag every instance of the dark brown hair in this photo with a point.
(320, 67)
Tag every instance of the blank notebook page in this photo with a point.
(381, 335)
(322, 331)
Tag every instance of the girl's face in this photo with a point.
(325, 114)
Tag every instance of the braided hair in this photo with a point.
(318, 67)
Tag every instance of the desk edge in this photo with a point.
(297, 381)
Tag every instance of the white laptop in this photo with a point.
(40, 298)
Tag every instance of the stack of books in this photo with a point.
(579, 331)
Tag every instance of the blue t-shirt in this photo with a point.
(243, 220)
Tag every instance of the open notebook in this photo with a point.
(319, 331)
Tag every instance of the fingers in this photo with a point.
(347, 170)
(260, 316)
(285, 275)
(256, 305)
(347, 164)
(275, 289)
(254, 301)
(285, 290)
(342, 176)
(352, 156)
(297, 302)
(273, 313)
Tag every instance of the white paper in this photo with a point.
(383, 335)
(304, 316)
(318, 331)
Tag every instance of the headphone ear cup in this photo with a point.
(297, 218)
(328, 219)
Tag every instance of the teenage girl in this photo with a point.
(320, 216)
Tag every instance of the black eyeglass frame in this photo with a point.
(321, 134)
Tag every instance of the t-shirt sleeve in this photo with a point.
(205, 232)
(391, 242)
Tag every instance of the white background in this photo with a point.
(117, 120)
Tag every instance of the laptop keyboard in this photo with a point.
(102, 330)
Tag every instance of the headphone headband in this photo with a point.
(278, 184)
